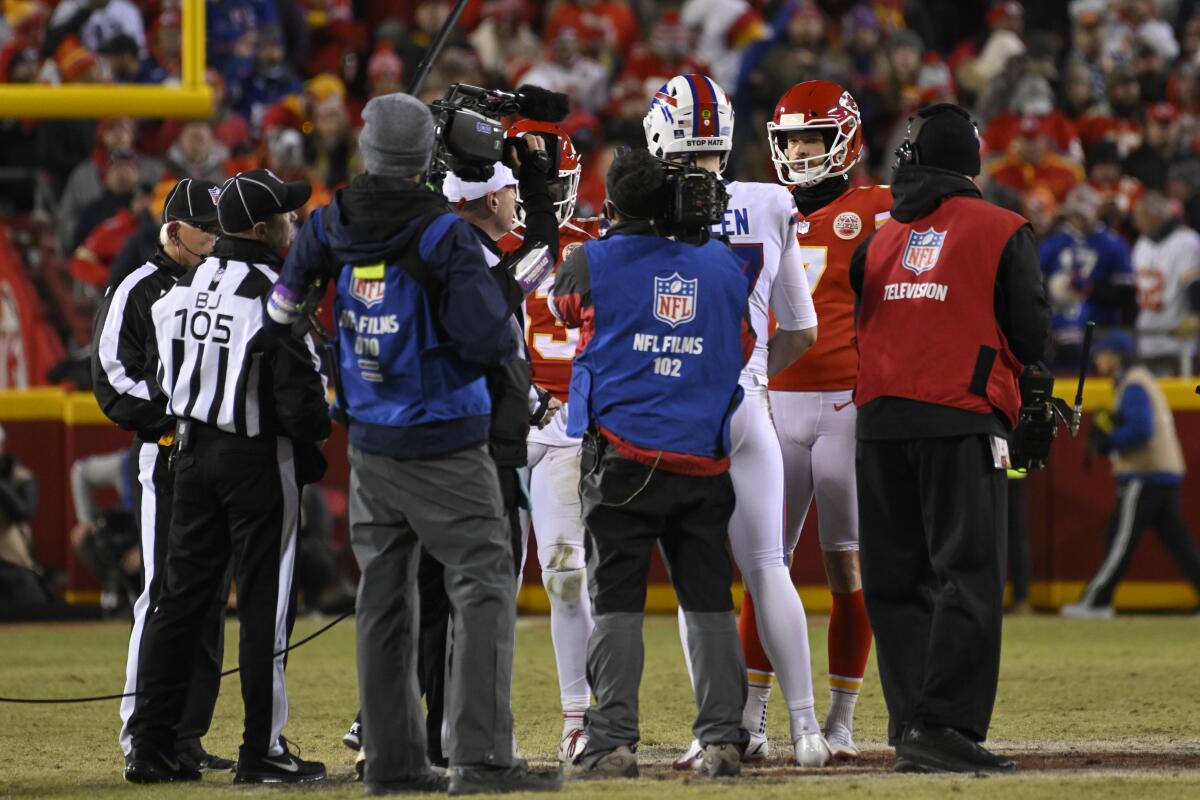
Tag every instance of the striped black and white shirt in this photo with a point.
(122, 376)
(218, 366)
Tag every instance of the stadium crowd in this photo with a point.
(1086, 108)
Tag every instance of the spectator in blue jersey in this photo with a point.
(1088, 274)
(1139, 436)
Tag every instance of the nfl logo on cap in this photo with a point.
(675, 299)
(924, 247)
(215, 194)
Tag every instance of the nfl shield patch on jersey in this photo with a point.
(924, 247)
(367, 285)
(675, 299)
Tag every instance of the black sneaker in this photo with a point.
(152, 765)
(495, 780)
(283, 768)
(431, 783)
(924, 749)
(195, 757)
(353, 737)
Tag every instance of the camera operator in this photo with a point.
(420, 322)
(951, 305)
(665, 331)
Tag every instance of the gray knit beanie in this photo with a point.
(397, 135)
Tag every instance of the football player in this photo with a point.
(691, 120)
(554, 456)
(815, 137)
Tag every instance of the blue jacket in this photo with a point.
(664, 344)
(412, 358)
(1098, 263)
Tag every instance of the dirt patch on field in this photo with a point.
(880, 761)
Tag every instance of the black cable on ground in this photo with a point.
(226, 673)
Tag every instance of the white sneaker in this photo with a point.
(810, 750)
(841, 744)
(758, 750)
(692, 758)
(572, 744)
(1085, 611)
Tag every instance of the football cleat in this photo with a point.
(1085, 611)
(810, 750)
(572, 744)
(720, 761)
(841, 744)
(690, 759)
(757, 751)
(353, 737)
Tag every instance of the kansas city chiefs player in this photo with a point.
(554, 456)
(816, 139)
(691, 120)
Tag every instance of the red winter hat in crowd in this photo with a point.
(74, 60)
(384, 62)
(1162, 112)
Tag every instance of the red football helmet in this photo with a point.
(568, 168)
(821, 106)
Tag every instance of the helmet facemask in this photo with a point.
(814, 169)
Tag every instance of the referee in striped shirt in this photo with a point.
(251, 410)
(127, 393)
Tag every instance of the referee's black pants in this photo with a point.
(152, 494)
(932, 529)
(1143, 504)
(232, 495)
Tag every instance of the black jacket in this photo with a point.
(1020, 306)
(122, 373)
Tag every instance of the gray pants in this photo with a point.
(451, 507)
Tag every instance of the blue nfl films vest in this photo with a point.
(661, 369)
(396, 368)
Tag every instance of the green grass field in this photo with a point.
(1112, 706)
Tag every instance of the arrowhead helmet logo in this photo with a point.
(675, 299)
(923, 249)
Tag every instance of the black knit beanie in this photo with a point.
(947, 139)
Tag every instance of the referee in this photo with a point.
(126, 392)
(251, 408)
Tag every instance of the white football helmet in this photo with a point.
(689, 114)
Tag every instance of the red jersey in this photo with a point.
(1057, 174)
(552, 346)
(828, 238)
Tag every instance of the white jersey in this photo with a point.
(1163, 270)
(760, 223)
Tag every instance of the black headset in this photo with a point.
(907, 153)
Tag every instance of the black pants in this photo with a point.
(236, 496)
(1018, 541)
(932, 525)
(434, 657)
(1142, 505)
(153, 489)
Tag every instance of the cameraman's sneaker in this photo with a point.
(496, 780)
(353, 737)
(283, 768)
(720, 761)
(151, 765)
(619, 763)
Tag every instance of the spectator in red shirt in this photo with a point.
(599, 25)
(1121, 123)
(1031, 163)
(1033, 97)
(93, 259)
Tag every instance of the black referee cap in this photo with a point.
(193, 202)
(255, 196)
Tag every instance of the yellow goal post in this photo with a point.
(192, 97)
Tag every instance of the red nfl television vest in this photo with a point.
(927, 327)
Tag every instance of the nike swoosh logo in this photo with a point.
(171, 765)
(287, 766)
(840, 406)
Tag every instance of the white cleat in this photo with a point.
(572, 744)
(758, 751)
(1085, 611)
(692, 758)
(811, 751)
(841, 744)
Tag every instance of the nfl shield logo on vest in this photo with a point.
(924, 247)
(367, 292)
(675, 299)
